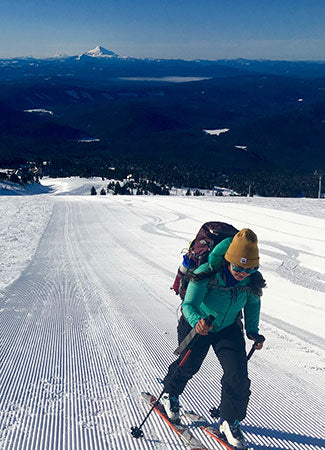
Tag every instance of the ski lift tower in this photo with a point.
(319, 173)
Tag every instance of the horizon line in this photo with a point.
(66, 56)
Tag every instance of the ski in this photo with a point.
(181, 430)
(209, 429)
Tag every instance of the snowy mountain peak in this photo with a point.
(99, 52)
(60, 56)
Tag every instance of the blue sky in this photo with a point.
(188, 29)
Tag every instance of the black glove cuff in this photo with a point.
(256, 337)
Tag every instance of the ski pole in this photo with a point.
(136, 431)
(250, 354)
(252, 350)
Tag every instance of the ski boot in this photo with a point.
(171, 406)
(233, 434)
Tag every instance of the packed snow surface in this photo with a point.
(88, 319)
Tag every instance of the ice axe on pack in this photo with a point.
(136, 431)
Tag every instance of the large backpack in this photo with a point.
(209, 235)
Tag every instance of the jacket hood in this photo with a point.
(216, 257)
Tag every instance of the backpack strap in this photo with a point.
(214, 284)
(254, 286)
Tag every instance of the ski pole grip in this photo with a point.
(260, 338)
(209, 320)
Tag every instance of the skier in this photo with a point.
(227, 284)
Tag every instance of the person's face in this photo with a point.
(239, 276)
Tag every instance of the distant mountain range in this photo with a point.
(110, 63)
(158, 108)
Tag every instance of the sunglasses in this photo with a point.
(242, 269)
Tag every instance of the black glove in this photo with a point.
(256, 337)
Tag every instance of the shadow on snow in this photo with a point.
(284, 436)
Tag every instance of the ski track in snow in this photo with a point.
(90, 323)
(288, 266)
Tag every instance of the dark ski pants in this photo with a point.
(229, 347)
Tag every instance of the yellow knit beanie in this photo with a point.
(243, 250)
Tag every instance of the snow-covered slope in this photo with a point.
(99, 52)
(91, 321)
(9, 188)
(74, 185)
(23, 221)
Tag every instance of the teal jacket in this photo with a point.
(211, 296)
